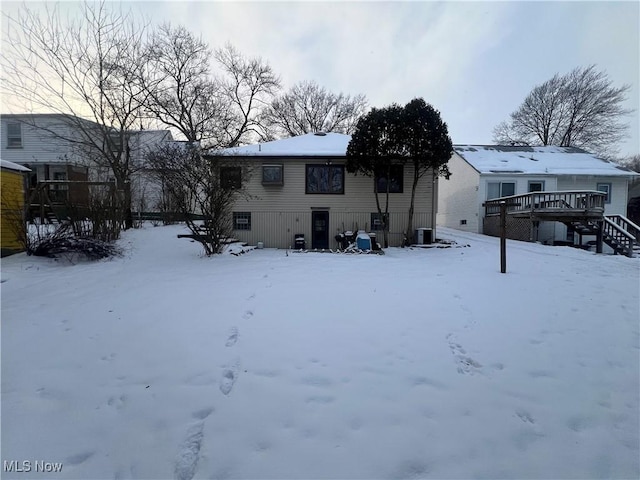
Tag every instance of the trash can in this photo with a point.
(374, 243)
(299, 241)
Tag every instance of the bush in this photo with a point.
(61, 241)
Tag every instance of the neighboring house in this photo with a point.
(633, 207)
(480, 173)
(53, 148)
(299, 185)
(34, 141)
(146, 193)
(12, 187)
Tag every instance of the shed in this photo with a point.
(12, 188)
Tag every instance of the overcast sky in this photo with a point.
(474, 61)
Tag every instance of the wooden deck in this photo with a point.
(561, 206)
(582, 211)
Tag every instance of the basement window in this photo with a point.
(377, 222)
(242, 220)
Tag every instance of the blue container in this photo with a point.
(363, 241)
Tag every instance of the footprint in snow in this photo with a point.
(247, 315)
(189, 454)
(466, 364)
(233, 337)
(203, 413)
(117, 402)
(525, 417)
(229, 378)
(78, 458)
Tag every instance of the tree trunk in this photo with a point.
(406, 242)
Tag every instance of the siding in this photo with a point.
(458, 197)
(12, 188)
(280, 212)
(39, 146)
(619, 193)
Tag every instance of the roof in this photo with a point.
(318, 144)
(549, 160)
(13, 166)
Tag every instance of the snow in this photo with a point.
(538, 160)
(311, 144)
(13, 166)
(420, 363)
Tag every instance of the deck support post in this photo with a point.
(599, 236)
(503, 237)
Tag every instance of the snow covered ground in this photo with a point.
(421, 363)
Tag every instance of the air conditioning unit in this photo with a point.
(424, 236)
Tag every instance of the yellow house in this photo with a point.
(12, 195)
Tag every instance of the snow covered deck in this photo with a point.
(558, 206)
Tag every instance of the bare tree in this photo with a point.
(199, 190)
(88, 71)
(307, 107)
(249, 85)
(632, 162)
(582, 108)
(181, 92)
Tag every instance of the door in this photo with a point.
(320, 229)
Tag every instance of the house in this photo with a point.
(480, 173)
(12, 187)
(60, 147)
(299, 186)
(39, 142)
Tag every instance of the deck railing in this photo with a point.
(549, 202)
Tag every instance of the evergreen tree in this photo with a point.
(411, 135)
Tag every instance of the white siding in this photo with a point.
(458, 197)
(38, 146)
(619, 194)
(280, 212)
(619, 190)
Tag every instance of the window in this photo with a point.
(376, 221)
(59, 193)
(115, 142)
(606, 188)
(325, 179)
(242, 220)
(500, 189)
(395, 180)
(14, 135)
(231, 178)
(272, 175)
(536, 186)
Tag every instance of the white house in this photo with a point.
(59, 147)
(480, 173)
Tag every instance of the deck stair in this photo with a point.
(621, 234)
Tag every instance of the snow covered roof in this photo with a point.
(13, 166)
(308, 145)
(548, 160)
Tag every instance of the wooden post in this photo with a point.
(599, 236)
(503, 237)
